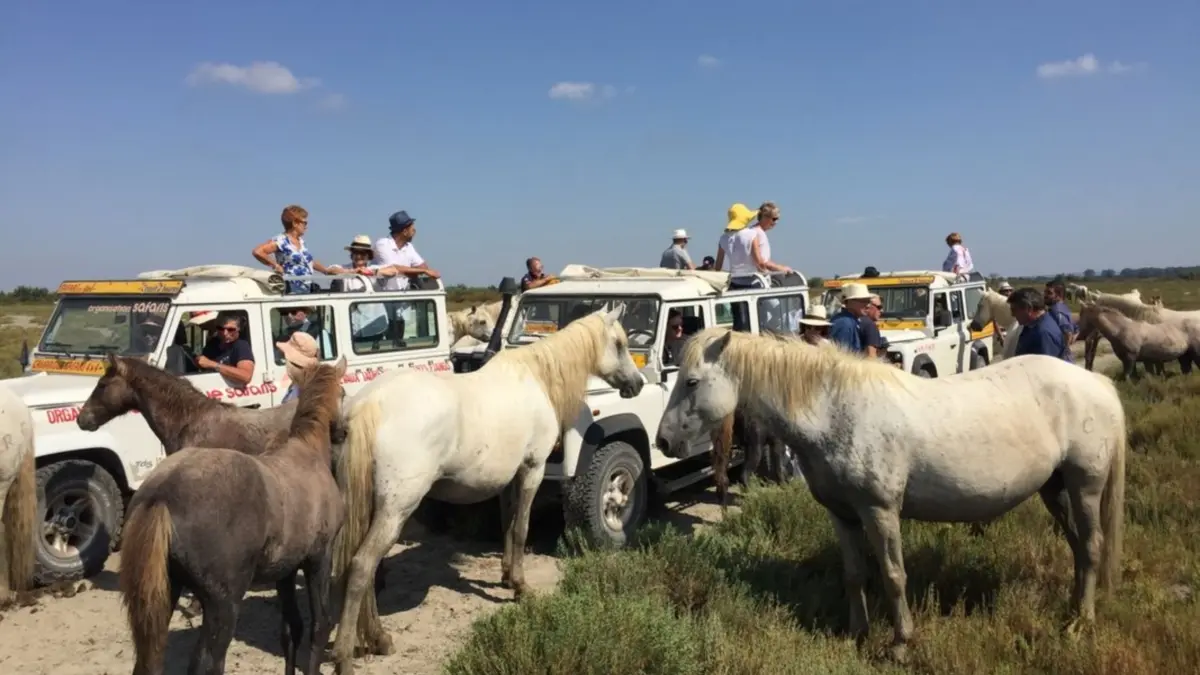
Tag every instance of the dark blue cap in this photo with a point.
(399, 221)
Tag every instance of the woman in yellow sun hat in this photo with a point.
(739, 216)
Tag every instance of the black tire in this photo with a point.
(585, 505)
(93, 529)
(924, 371)
(978, 360)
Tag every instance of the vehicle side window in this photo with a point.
(682, 322)
(733, 313)
(390, 326)
(941, 310)
(316, 320)
(973, 295)
(781, 313)
(956, 306)
(195, 330)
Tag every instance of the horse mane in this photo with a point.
(177, 393)
(1134, 309)
(459, 322)
(998, 306)
(316, 405)
(789, 372)
(563, 362)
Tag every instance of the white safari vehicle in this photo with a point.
(84, 478)
(926, 319)
(606, 463)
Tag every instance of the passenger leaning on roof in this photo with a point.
(959, 259)
(749, 250)
(397, 250)
(287, 254)
(361, 253)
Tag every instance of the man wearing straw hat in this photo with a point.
(676, 256)
(844, 329)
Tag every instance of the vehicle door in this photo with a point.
(195, 326)
(689, 317)
(394, 330)
(313, 315)
(958, 334)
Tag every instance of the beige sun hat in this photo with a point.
(300, 350)
(856, 292)
(361, 243)
(815, 316)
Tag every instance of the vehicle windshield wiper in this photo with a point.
(62, 346)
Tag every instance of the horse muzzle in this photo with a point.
(87, 421)
(632, 389)
(975, 327)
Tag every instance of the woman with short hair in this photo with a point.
(959, 260)
(286, 253)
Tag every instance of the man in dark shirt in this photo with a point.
(844, 329)
(227, 353)
(535, 276)
(1040, 333)
(872, 341)
(1056, 306)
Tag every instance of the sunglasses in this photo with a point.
(229, 329)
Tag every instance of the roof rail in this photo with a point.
(368, 282)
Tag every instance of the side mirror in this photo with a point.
(663, 377)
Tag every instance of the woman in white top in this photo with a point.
(749, 250)
(366, 319)
(959, 259)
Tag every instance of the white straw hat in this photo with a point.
(679, 234)
(815, 316)
(856, 292)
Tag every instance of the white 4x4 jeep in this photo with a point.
(85, 478)
(606, 463)
(926, 319)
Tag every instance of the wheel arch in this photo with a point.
(102, 457)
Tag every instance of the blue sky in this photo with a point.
(141, 135)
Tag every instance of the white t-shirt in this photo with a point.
(959, 255)
(741, 261)
(388, 253)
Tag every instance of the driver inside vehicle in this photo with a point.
(149, 331)
(228, 353)
(941, 312)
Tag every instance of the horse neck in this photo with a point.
(168, 403)
(562, 364)
(998, 308)
(309, 433)
(458, 323)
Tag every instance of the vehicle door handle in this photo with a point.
(253, 406)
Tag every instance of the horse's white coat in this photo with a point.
(877, 445)
(466, 438)
(994, 307)
(16, 451)
(476, 322)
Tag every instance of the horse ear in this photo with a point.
(724, 341)
(615, 313)
(473, 309)
(340, 366)
(115, 363)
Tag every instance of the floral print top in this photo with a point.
(295, 260)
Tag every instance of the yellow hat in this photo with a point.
(739, 217)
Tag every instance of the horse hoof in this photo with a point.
(384, 645)
(899, 653)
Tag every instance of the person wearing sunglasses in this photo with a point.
(227, 353)
(872, 340)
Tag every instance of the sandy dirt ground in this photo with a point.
(436, 587)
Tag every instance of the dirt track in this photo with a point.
(435, 590)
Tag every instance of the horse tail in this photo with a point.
(20, 520)
(356, 481)
(1112, 512)
(145, 582)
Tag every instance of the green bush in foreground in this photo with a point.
(762, 593)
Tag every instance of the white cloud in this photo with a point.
(1085, 65)
(584, 91)
(333, 102)
(707, 61)
(263, 77)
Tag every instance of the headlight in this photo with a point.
(896, 359)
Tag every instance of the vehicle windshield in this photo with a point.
(899, 302)
(127, 326)
(539, 316)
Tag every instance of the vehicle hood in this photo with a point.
(51, 389)
(895, 336)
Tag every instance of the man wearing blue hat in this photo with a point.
(398, 251)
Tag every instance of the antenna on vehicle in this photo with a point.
(508, 289)
(24, 358)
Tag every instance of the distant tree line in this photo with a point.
(1190, 273)
(28, 294)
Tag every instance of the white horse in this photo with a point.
(1131, 305)
(877, 445)
(476, 322)
(462, 439)
(18, 496)
(1077, 292)
(993, 308)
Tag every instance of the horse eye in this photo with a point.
(691, 382)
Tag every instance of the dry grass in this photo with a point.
(762, 591)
